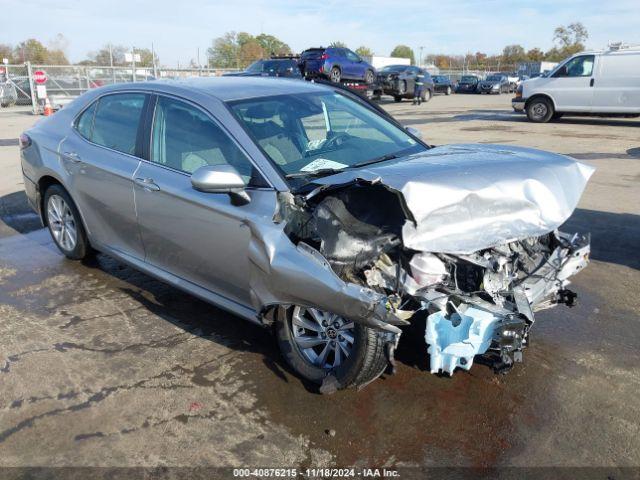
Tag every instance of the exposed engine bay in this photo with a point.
(477, 301)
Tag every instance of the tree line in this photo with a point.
(239, 49)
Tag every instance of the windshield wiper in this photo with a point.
(316, 173)
(383, 158)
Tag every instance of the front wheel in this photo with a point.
(426, 95)
(540, 110)
(368, 77)
(317, 344)
(448, 91)
(64, 223)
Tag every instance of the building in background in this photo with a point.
(534, 69)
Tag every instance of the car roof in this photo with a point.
(227, 88)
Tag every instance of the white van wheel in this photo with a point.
(540, 110)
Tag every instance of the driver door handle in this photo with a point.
(591, 82)
(148, 184)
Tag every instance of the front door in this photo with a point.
(199, 237)
(101, 156)
(571, 86)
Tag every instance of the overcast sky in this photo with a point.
(178, 28)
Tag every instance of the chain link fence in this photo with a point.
(66, 82)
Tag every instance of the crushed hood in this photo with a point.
(465, 198)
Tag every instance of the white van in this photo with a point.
(597, 83)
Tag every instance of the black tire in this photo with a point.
(448, 91)
(397, 98)
(81, 249)
(335, 75)
(369, 77)
(366, 362)
(539, 110)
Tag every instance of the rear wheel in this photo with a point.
(336, 75)
(64, 223)
(448, 91)
(539, 110)
(317, 344)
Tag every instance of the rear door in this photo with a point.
(617, 84)
(571, 85)
(199, 237)
(102, 155)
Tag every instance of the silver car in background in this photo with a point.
(304, 208)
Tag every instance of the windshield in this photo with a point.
(256, 67)
(393, 68)
(317, 133)
(494, 78)
(267, 66)
(468, 79)
(439, 78)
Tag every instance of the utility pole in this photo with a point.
(113, 70)
(133, 61)
(153, 62)
(420, 62)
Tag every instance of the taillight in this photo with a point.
(324, 56)
(24, 141)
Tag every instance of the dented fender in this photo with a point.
(282, 273)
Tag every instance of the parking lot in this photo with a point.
(102, 365)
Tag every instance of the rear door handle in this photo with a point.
(73, 156)
(148, 184)
(591, 82)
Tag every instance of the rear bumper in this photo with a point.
(33, 196)
(518, 104)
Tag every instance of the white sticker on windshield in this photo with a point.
(320, 163)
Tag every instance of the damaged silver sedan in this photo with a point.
(308, 210)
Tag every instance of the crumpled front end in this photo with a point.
(473, 245)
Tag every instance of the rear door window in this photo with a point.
(117, 120)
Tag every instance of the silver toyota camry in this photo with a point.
(313, 212)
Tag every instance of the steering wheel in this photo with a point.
(336, 140)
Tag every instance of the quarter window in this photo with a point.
(84, 124)
(116, 121)
(185, 138)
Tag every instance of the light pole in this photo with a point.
(420, 62)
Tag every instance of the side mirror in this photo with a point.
(221, 179)
(414, 131)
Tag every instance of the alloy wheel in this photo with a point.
(62, 223)
(368, 77)
(324, 339)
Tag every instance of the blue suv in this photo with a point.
(336, 64)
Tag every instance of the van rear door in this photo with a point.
(617, 84)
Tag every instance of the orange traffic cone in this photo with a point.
(47, 107)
